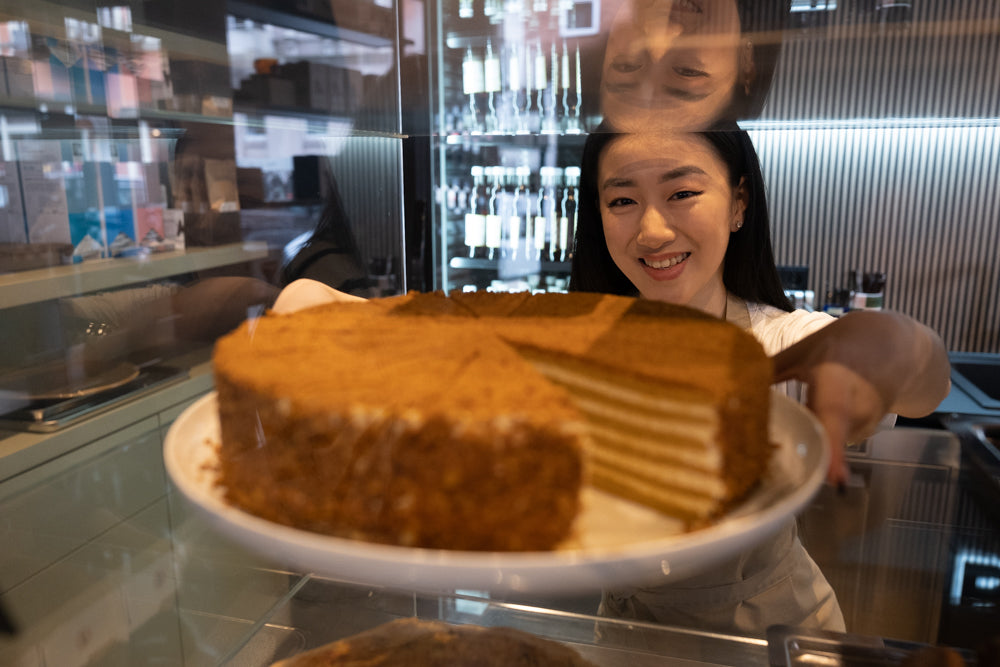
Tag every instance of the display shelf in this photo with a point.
(23, 451)
(254, 118)
(37, 285)
(308, 24)
(504, 138)
(532, 267)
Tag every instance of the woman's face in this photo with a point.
(667, 208)
(671, 63)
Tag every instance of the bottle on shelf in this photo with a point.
(547, 228)
(573, 100)
(521, 209)
(473, 84)
(520, 92)
(493, 10)
(568, 221)
(475, 219)
(494, 219)
(493, 86)
(550, 115)
(545, 209)
(564, 71)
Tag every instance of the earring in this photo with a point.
(739, 225)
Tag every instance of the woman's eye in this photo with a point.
(626, 65)
(690, 73)
(620, 201)
(685, 194)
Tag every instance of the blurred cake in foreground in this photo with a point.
(472, 421)
(416, 643)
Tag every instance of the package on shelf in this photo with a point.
(346, 89)
(12, 227)
(311, 82)
(148, 202)
(51, 58)
(322, 87)
(3, 77)
(198, 86)
(173, 227)
(107, 210)
(250, 185)
(121, 79)
(266, 90)
(152, 71)
(88, 70)
(44, 188)
(220, 180)
(19, 74)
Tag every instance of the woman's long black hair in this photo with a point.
(749, 270)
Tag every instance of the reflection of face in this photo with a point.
(667, 208)
(670, 63)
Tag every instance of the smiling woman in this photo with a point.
(668, 208)
(682, 218)
(707, 194)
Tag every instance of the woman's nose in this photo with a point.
(659, 38)
(655, 229)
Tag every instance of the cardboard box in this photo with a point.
(19, 76)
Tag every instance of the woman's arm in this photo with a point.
(305, 293)
(863, 366)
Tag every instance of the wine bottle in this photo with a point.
(494, 221)
(472, 85)
(475, 219)
(491, 79)
(568, 222)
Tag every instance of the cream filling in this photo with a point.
(671, 500)
(658, 476)
(651, 447)
(623, 394)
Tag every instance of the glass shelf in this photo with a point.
(37, 285)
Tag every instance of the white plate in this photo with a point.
(618, 543)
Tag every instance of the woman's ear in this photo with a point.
(741, 198)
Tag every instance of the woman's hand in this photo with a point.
(861, 367)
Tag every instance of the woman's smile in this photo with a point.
(658, 266)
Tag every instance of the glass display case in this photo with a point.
(160, 182)
(509, 125)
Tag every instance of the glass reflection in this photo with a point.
(688, 63)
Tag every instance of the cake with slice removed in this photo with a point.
(472, 421)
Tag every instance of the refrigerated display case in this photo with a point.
(156, 180)
(509, 125)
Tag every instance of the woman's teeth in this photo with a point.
(667, 263)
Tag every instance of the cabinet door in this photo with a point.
(87, 566)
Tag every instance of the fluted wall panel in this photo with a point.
(368, 173)
(920, 204)
(881, 148)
